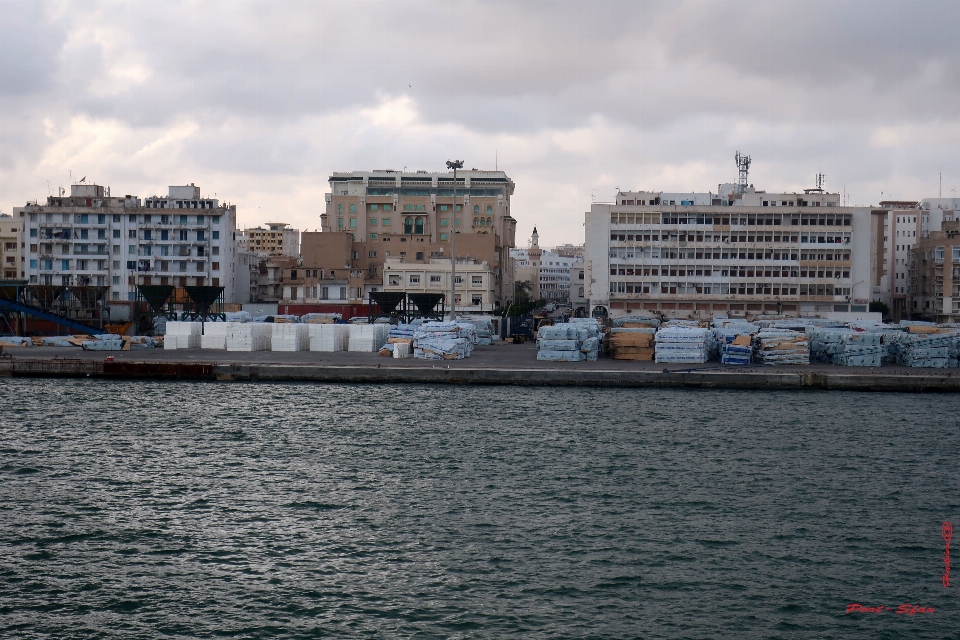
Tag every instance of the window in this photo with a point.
(414, 278)
(443, 207)
(388, 207)
(101, 234)
(373, 221)
(476, 279)
(353, 208)
(215, 266)
(374, 207)
(339, 208)
(33, 264)
(418, 226)
(476, 300)
(476, 210)
(215, 219)
(385, 222)
(419, 255)
(434, 279)
(443, 237)
(343, 293)
(216, 235)
(132, 249)
(489, 210)
(373, 236)
(183, 219)
(132, 218)
(353, 222)
(444, 222)
(200, 235)
(116, 279)
(132, 233)
(116, 233)
(408, 224)
(65, 265)
(339, 223)
(147, 235)
(201, 266)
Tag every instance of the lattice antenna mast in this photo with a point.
(743, 165)
(820, 182)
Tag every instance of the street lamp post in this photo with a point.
(454, 164)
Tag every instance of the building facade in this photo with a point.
(934, 262)
(697, 254)
(476, 289)
(92, 238)
(278, 239)
(547, 271)
(373, 216)
(12, 265)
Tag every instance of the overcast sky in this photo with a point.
(258, 102)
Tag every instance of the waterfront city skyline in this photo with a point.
(261, 102)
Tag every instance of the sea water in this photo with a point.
(131, 509)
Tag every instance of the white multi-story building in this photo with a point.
(548, 272)
(740, 251)
(476, 282)
(92, 238)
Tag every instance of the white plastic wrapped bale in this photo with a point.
(321, 318)
(249, 336)
(636, 322)
(442, 341)
(402, 350)
(846, 347)
(214, 335)
(367, 337)
(781, 346)
(682, 344)
(182, 335)
(328, 337)
(290, 337)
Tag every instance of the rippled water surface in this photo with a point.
(257, 510)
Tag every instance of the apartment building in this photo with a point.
(11, 244)
(371, 216)
(934, 262)
(738, 251)
(93, 238)
(278, 239)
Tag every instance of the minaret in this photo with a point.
(535, 253)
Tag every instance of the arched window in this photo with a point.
(418, 226)
(353, 208)
(408, 225)
(489, 222)
(476, 209)
(476, 222)
(489, 210)
(339, 208)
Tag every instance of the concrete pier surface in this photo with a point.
(500, 364)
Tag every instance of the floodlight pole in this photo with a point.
(454, 164)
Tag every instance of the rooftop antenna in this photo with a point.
(496, 159)
(820, 179)
(743, 166)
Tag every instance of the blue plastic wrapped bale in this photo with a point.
(934, 350)
(558, 345)
(102, 345)
(847, 347)
(590, 348)
(560, 356)
(731, 353)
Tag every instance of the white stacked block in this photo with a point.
(182, 335)
(328, 337)
(401, 350)
(290, 337)
(368, 337)
(215, 335)
(252, 336)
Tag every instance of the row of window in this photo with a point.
(741, 272)
(657, 253)
(101, 218)
(748, 289)
(101, 265)
(179, 204)
(425, 192)
(759, 219)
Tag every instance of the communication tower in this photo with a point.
(743, 165)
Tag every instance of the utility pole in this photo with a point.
(454, 164)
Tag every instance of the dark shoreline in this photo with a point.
(508, 365)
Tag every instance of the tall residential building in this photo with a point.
(11, 244)
(93, 238)
(374, 215)
(738, 251)
(278, 239)
(934, 262)
(896, 227)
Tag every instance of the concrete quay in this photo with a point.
(501, 364)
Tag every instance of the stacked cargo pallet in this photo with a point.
(733, 338)
(328, 337)
(846, 347)
(631, 343)
(442, 341)
(215, 335)
(927, 349)
(781, 346)
(367, 337)
(290, 337)
(569, 342)
(182, 335)
(683, 344)
(249, 336)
